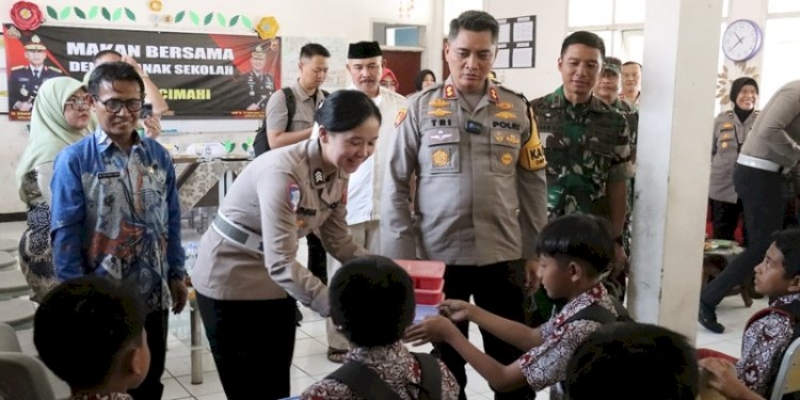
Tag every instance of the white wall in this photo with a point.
(347, 19)
(551, 21)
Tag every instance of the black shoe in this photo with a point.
(708, 318)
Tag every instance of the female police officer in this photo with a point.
(247, 262)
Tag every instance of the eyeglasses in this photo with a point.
(77, 103)
(115, 105)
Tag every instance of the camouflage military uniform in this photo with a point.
(632, 117)
(586, 146)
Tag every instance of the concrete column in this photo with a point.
(435, 33)
(680, 56)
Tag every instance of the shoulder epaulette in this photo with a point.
(53, 69)
(18, 67)
(520, 94)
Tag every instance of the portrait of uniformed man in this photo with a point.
(258, 84)
(25, 80)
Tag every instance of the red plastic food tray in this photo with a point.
(427, 275)
(429, 297)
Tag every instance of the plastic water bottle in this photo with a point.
(191, 255)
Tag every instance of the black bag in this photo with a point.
(260, 143)
(597, 313)
(366, 383)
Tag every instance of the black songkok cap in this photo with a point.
(364, 50)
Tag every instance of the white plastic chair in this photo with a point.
(788, 379)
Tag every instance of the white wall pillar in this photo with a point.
(680, 57)
(434, 41)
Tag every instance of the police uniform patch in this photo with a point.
(293, 195)
(504, 105)
(439, 112)
(727, 126)
(531, 155)
(450, 92)
(506, 115)
(493, 94)
(439, 103)
(440, 158)
(499, 137)
(401, 115)
(506, 158)
(724, 145)
(301, 223)
(512, 139)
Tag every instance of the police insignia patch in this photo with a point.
(293, 195)
(506, 158)
(504, 105)
(506, 115)
(439, 103)
(439, 112)
(493, 94)
(401, 115)
(440, 158)
(450, 91)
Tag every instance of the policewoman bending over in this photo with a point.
(247, 264)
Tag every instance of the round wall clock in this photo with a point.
(741, 40)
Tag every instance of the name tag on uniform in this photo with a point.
(106, 175)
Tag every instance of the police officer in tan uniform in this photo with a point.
(247, 262)
(481, 197)
(730, 131)
(770, 153)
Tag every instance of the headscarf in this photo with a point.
(49, 132)
(389, 73)
(736, 87)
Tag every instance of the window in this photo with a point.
(620, 23)
(783, 6)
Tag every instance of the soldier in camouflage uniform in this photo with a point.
(607, 89)
(587, 145)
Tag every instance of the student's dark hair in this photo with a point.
(83, 325)
(314, 49)
(580, 238)
(788, 242)
(113, 72)
(102, 53)
(632, 63)
(661, 363)
(421, 77)
(588, 39)
(344, 110)
(372, 300)
(474, 21)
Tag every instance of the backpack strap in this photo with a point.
(364, 381)
(291, 108)
(594, 312)
(431, 376)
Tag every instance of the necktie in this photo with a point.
(36, 74)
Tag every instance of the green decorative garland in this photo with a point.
(114, 14)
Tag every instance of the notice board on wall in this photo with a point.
(200, 75)
(516, 47)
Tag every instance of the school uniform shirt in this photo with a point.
(765, 339)
(394, 364)
(545, 366)
(283, 195)
(117, 214)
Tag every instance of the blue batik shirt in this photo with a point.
(118, 215)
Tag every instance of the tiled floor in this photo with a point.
(310, 363)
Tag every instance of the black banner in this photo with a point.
(199, 75)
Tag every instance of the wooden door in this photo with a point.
(405, 65)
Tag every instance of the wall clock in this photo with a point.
(741, 40)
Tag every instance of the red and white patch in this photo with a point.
(401, 115)
(293, 195)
